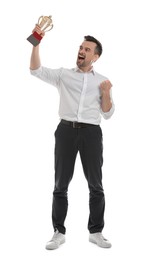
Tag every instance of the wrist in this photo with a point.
(105, 93)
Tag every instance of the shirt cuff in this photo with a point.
(36, 72)
(107, 115)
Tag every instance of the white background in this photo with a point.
(29, 116)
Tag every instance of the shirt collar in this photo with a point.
(77, 69)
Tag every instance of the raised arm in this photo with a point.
(35, 61)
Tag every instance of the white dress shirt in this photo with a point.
(80, 94)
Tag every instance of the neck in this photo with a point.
(85, 69)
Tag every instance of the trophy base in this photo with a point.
(34, 39)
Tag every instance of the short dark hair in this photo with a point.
(98, 49)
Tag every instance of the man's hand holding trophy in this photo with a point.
(44, 25)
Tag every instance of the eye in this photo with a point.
(87, 49)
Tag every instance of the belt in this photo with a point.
(75, 124)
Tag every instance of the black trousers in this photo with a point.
(88, 141)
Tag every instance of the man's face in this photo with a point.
(86, 55)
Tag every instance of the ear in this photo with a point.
(96, 57)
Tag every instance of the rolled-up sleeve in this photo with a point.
(51, 76)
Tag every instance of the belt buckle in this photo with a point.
(75, 125)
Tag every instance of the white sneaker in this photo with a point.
(97, 238)
(57, 239)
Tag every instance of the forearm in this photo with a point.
(106, 103)
(35, 62)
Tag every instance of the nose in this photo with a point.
(81, 52)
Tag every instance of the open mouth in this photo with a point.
(80, 57)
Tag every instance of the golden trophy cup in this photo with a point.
(45, 23)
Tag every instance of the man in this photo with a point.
(85, 96)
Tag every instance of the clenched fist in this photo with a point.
(38, 30)
(105, 87)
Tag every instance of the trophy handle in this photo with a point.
(51, 26)
(40, 19)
